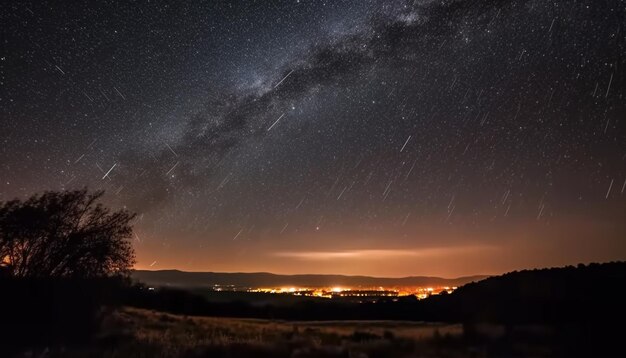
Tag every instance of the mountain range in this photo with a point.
(176, 278)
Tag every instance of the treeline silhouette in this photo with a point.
(582, 294)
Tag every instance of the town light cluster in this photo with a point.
(347, 292)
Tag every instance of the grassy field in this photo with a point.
(131, 332)
(141, 333)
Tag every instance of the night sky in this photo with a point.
(386, 138)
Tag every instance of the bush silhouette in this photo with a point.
(64, 234)
(64, 259)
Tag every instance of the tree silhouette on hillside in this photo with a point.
(66, 234)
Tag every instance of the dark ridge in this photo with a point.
(176, 278)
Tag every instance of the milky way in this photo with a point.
(376, 137)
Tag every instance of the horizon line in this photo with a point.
(315, 274)
(374, 276)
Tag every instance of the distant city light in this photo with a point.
(367, 293)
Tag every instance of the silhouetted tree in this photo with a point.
(64, 234)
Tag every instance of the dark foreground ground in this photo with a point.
(561, 312)
(131, 332)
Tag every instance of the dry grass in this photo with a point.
(130, 332)
(133, 332)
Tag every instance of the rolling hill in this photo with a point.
(181, 279)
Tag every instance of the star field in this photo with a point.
(428, 137)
